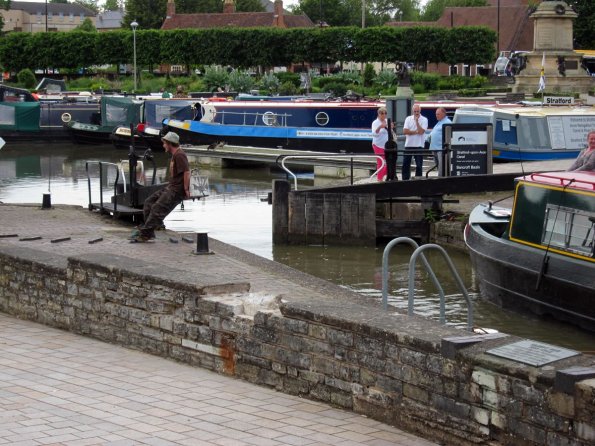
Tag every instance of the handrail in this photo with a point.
(414, 244)
(101, 163)
(351, 157)
(562, 180)
(256, 115)
(454, 272)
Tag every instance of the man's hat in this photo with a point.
(172, 138)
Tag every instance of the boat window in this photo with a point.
(269, 118)
(569, 229)
(115, 114)
(506, 131)
(535, 132)
(322, 118)
(7, 115)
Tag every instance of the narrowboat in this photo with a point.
(533, 133)
(25, 118)
(300, 124)
(538, 257)
(115, 111)
(148, 132)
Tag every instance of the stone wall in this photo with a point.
(406, 371)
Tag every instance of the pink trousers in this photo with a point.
(381, 172)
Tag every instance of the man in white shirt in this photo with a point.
(414, 129)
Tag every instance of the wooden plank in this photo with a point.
(280, 211)
(314, 219)
(349, 218)
(296, 224)
(331, 210)
(403, 228)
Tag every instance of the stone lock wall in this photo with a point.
(408, 372)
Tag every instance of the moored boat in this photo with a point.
(533, 133)
(115, 111)
(539, 256)
(25, 118)
(301, 124)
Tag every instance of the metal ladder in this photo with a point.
(412, 261)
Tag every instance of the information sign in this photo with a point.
(570, 132)
(532, 352)
(470, 149)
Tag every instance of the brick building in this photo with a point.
(31, 16)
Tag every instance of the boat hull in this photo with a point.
(89, 133)
(510, 275)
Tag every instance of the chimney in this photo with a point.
(171, 9)
(278, 14)
(229, 6)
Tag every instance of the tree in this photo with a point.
(86, 26)
(111, 5)
(584, 31)
(89, 4)
(434, 8)
(198, 6)
(149, 14)
(249, 6)
(59, 1)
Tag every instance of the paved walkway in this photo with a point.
(57, 388)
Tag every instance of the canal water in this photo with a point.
(236, 212)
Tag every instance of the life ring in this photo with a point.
(66, 118)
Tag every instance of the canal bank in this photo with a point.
(244, 316)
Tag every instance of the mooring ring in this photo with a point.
(66, 117)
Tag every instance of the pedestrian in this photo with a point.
(165, 94)
(586, 159)
(379, 139)
(414, 128)
(159, 204)
(180, 92)
(436, 138)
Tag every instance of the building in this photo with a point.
(509, 18)
(31, 17)
(109, 21)
(230, 18)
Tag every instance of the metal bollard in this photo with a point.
(202, 244)
(47, 201)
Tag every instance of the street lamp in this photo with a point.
(134, 25)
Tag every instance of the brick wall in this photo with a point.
(350, 354)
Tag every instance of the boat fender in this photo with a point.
(66, 117)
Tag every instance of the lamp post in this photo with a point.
(134, 25)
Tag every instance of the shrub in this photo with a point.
(472, 92)
(240, 81)
(270, 83)
(369, 75)
(294, 78)
(26, 78)
(386, 78)
(215, 78)
(288, 88)
(336, 88)
(418, 88)
(429, 81)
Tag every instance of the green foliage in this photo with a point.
(198, 6)
(89, 4)
(427, 81)
(386, 78)
(418, 88)
(270, 83)
(472, 92)
(369, 75)
(26, 78)
(111, 5)
(584, 36)
(249, 6)
(86, 26)
(435, 8)
(215, 78)
(149, 14)
(288, 88)
(240, 81)
(336, 88)
(285, 77)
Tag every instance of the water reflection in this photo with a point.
(236, 212)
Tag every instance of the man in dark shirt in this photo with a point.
(158, 205)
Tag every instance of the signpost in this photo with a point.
(469, 149)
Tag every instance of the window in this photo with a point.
(569, 229)
(71, 17)
(454, 70)
(61, 16)
(50, 16)
(82, 16)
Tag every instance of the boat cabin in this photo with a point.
(556, 212)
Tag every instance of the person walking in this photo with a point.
(436, 138)
(586, 159)
(379, 139)
(159, 204)
(414, 129)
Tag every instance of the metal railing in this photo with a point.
(327, 157)
(101, 164)
(411, 285)
(270, 115)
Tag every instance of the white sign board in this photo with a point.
(570, 132)
(557, 100)
(2, 143)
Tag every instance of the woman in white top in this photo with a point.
(379, 139)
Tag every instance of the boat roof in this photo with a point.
(537, 112)
(579, 180)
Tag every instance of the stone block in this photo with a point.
(337, 384)
(416, 393)
(370, 346)
(567, 378)
(289, 357)
(449, 346)
(341, 399)
(279, 368)
(311, 377)
(317, 331)
(340, 337)
(527, 431)
(585, 431)
(480, 415)
(484, 378)
(450, 406)
(530, 394)
(561, 404)
(537, 415)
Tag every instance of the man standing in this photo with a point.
(414, 129)
(436, 138)
(159, 204)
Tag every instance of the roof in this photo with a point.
(236, 19)
(575, 180)
(109, 20)
(54, 8)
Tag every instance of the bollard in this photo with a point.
(202, 244)
(47, 201)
